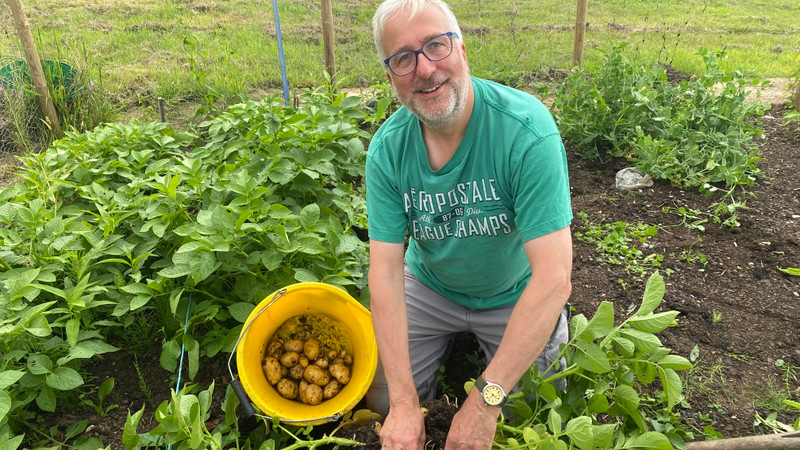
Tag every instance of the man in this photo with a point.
(474, 173)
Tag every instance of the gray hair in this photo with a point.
(390, 8)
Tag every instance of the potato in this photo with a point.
(322, 363)
(331, 389)
(302, 392)
(313, 394)
(296, 372)
(272, 370)
(303, 361)
(290, 359)
(293, 345)
(340, 372)
(332, 354)
(348, 360)
(287, 388)
(275, 349)
(311, 348)
(316, 375)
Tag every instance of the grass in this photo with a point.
(140, 46)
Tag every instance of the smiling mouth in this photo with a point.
(430, 90)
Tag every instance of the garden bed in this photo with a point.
(739, 313)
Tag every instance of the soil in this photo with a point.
(738, 309)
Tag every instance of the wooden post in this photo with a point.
(580, 33)
(34, 64)
(786, 441)
(327, 39)
(796, 100)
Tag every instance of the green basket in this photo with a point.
(14, 73)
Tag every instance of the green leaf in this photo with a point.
(790, 271)
(9, 377)
(579, 431)
(5, 406)
(530, 436)
(603, 435)
(73, 329)
(675, 362)
(554, 421)
(130, 439)
(644, 341)
(624, 346)
(653, 294)
(598, 403)
(653, 323)
(39, 327)
(46, 400)
(39, 364)
(203, 264)
(64, 379)
(241, 311)
(309, 215)
(650, 440)
(671, 383)
(601, 323)
(304, 276)
(105, 388)
(175, 271)
(170, 351)
(578, 325)
(590, 357)
(75, 429)
(192, 353)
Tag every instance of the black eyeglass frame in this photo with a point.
(416, 53)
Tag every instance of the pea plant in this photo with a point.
(127, 219)
(695, 133)
(622, 386)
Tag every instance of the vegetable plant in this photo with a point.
(622, 386)
(140, 219)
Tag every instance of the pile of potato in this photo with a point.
(306, 371)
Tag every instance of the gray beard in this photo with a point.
(447, 118)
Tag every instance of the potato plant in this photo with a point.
(140, 217)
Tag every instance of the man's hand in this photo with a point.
(403, 429)
(473, 426)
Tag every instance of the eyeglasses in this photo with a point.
(435, 49)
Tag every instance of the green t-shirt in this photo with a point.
(507, 183)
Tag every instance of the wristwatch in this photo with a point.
(492, 393)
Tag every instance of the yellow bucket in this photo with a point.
(270, 314)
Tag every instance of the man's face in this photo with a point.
(436, 92)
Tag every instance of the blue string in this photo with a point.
(183, 350)
(280, 51)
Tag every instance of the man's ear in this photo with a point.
(389, 77)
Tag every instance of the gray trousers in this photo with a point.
(433, 323)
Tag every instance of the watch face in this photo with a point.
(493, 395)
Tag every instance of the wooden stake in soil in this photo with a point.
(796, 100)
(786, 441)
(580, 33)
(327, 39)
(34, 64)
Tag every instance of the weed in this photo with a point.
(102, 392)
(142, 382)
(616, 243)
(716, 317)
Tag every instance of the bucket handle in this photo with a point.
(239, 389)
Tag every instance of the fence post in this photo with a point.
(580, 33)
(327, 39)
(34, 64)
(796, 100)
